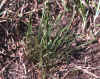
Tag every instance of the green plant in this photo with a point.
(48, 49)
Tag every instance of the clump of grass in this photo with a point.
(44, 49)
